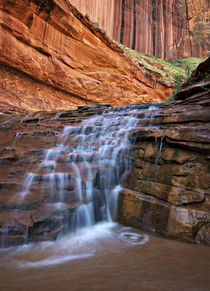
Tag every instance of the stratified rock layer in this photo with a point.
(167, 191)
(166, 28)
(25, 142)
(51, 57)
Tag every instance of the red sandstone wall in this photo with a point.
(51, 57)
(166, 28)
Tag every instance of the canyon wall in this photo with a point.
(51, 57)
(165, 28)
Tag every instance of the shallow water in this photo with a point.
(106, 256)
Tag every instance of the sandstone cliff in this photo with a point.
(166, 28)
(51, 57)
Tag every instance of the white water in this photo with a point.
(92, 159)
(85, 243)
(95, 159)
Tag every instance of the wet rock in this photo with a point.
(154, 215)
(171, 167)
(95, 107)
(203, 235)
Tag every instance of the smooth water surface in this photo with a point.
(106, 257)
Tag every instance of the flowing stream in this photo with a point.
(93, 157)
(92, 251)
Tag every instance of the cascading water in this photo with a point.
(93, 157)
(79, 176)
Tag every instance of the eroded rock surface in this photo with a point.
(167, 191)
(165, 28)
(54, 58)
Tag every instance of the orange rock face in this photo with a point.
(54, 58)
(166, 28)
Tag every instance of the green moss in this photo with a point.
(168, 69)
(96, 24)
(173, 71)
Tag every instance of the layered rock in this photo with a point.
(54, 58)
(38, 199)
(167, 191)
(166, 28)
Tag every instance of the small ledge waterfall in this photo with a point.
(95, 159)
(80, 176)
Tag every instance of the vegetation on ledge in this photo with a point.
(168, 69)
(173, 72)
(176, 72)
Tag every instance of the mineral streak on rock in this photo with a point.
(51, 57)
(165, 28)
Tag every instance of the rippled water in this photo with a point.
(106, 257)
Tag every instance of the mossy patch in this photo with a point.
(174, 71)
